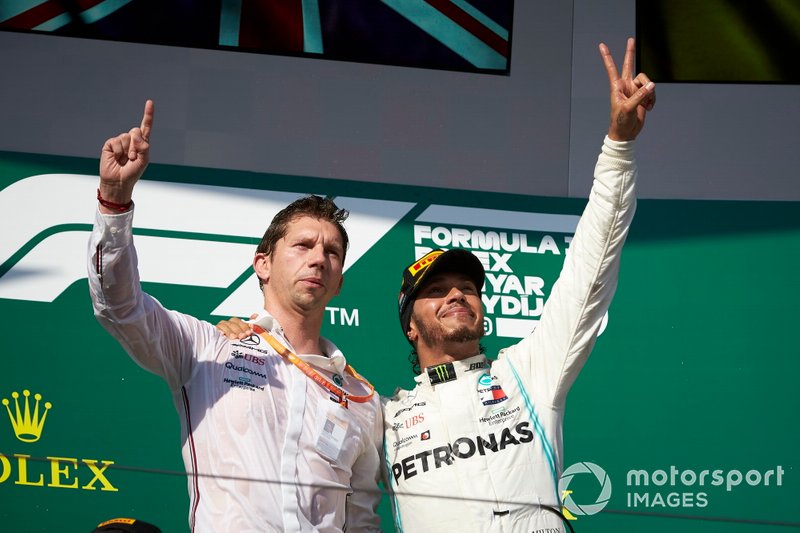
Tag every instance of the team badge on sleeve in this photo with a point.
(490, 391)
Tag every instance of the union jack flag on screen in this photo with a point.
(464, 35)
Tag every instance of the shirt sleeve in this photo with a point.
(362, 505)
(552, 356)
(159, 340)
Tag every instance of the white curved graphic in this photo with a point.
(212, 212)
(70, 199)
(60, 260)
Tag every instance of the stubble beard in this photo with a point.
(436, 335)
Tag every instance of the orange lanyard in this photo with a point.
(342, 396)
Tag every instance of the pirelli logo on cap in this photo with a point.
(129, 521)
(424, 262)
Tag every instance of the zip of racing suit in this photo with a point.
(272, 451)
(487, 436)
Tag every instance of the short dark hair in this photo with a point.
(312, 206)
(413, 358)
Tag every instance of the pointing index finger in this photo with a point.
(147, 119)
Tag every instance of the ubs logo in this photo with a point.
(409, 422)
(248, 357)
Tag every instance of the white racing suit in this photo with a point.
(484, 443)
(255, 429)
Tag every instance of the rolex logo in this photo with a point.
(27, 427)
(50, 471)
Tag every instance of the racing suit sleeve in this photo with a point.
(159, 340)
(362, 504)
(555, 352)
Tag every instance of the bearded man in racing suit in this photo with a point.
(477, 444)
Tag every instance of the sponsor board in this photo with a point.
(700, 319)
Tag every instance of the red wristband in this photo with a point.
(114, 206)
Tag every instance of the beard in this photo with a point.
(435, 334)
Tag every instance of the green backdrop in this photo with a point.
(695, 371)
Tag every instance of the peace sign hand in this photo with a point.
(631, 98)
(124, 159)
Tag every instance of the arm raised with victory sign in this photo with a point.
(559, 346)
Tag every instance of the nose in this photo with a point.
(455, 295)
(316, 256)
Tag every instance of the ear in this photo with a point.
(412, 333)
(262, 264)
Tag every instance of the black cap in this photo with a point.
(435, 262)
(125, 525)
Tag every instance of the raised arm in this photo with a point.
(160, 340)
(555, 352)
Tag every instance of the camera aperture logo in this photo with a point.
(571, 508)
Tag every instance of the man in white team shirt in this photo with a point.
(265, 447)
